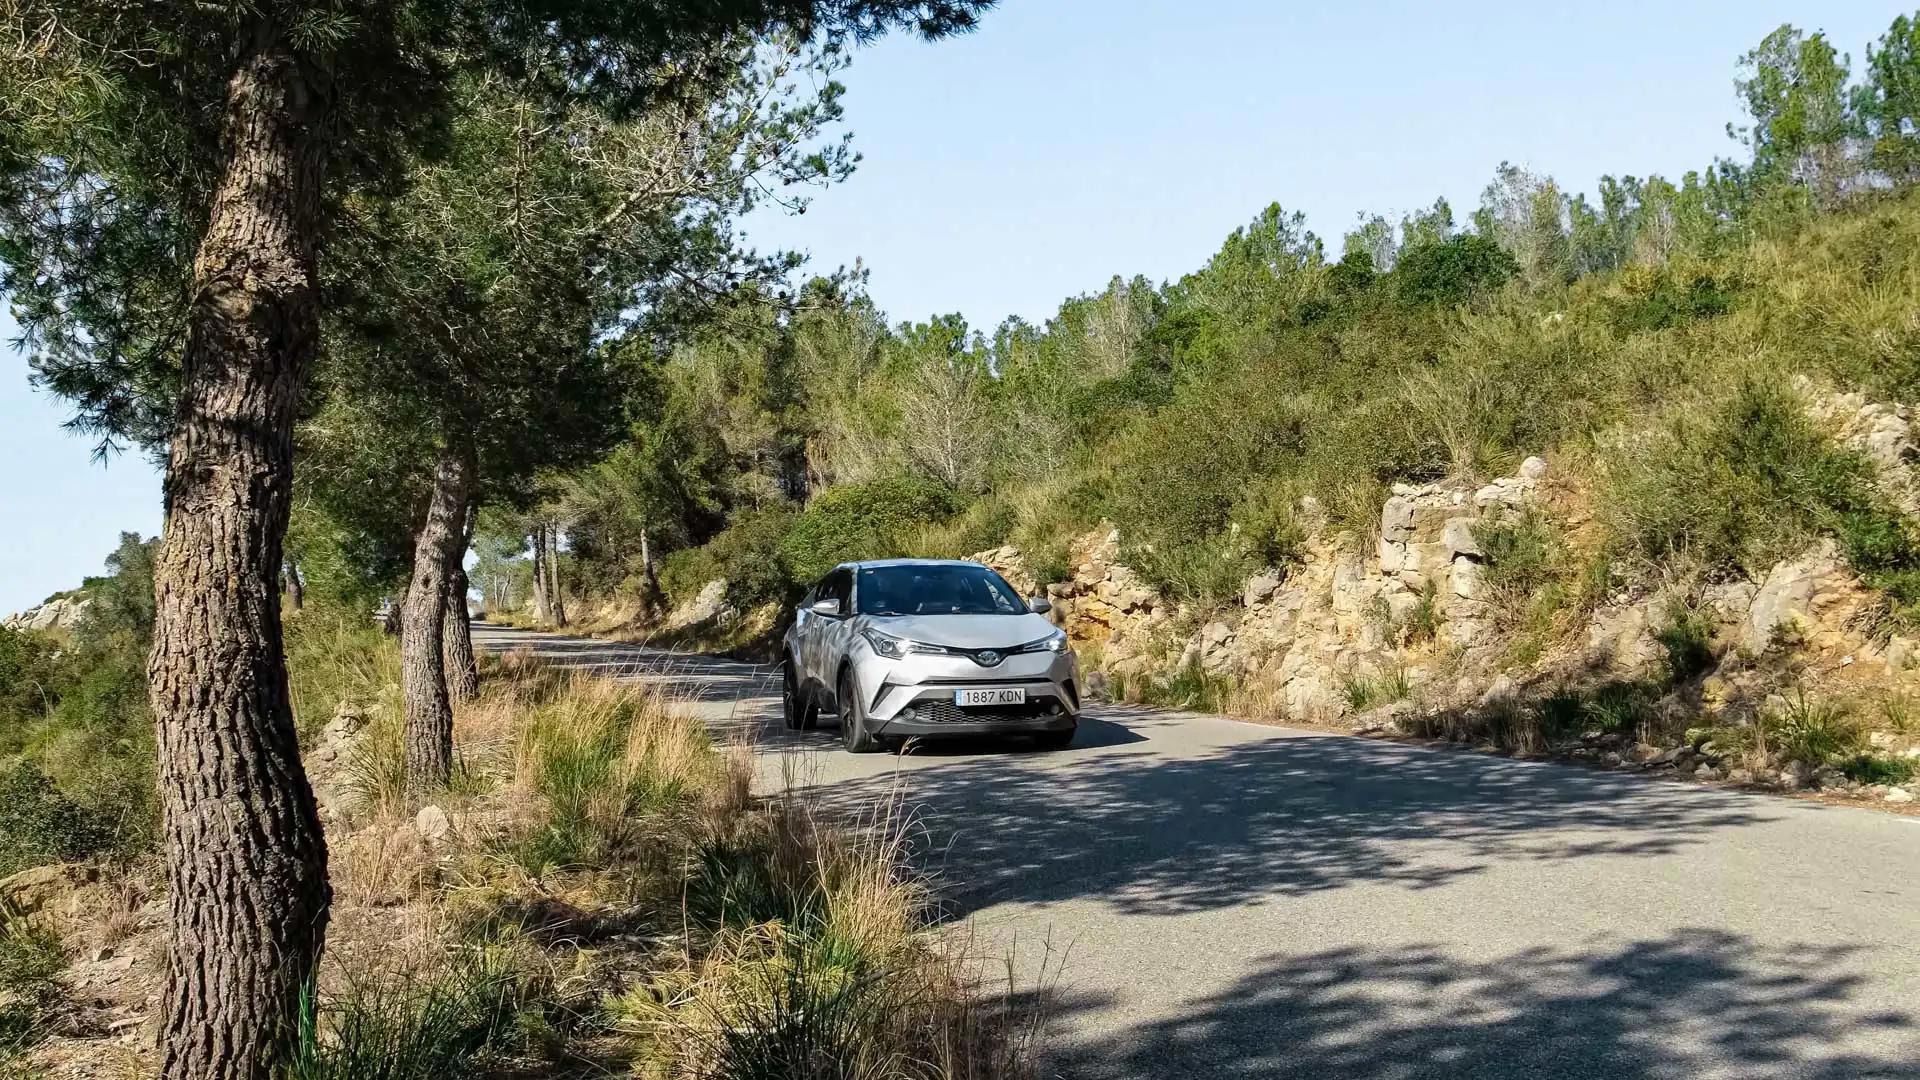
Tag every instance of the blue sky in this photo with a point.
(1071, 140)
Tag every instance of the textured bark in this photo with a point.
(423, 680)
(456, 638)
(246, 862)
(556, 600)
(649, 577)
(541, 611)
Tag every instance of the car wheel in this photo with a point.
(1055, 740)
(853, 720)
(793, 711)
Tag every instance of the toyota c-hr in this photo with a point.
(923, 648)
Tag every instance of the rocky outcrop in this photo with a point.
(60, 613)
(709, 607)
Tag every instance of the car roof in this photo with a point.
(872, 564)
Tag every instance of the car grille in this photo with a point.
(946, 712)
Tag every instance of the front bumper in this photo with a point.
(915, 696)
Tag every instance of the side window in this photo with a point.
(839, 586)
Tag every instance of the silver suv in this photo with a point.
(905, 648)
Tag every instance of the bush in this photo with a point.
(1687, 639)
(39, 824)
(862, 521)
(1874, 769)
(1752, 485)
(1810, 732)
(1520, 553)
(1365, 692)
(749, 555)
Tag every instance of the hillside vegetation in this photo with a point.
(1676, 349)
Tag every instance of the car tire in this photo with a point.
(793, 711)
(853, 720)
(1055, 740)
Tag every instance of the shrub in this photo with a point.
(1660, 298)
(1452, 271)
(1810, 732)
(1751, 485)
(1874, 769)
(1365, 692)
(1687, 639)
(39, 824)
(862, 521)
(337, 655)
(1520, 552)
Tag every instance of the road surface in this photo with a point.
(1236, 900)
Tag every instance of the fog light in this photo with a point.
(907, 714)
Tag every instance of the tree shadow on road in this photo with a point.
(1155, 833)
(1700, 1003)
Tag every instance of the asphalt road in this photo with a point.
(1235, 900)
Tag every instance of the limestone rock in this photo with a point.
(1790, 596)
(60, 613)
(432, 824)
(1259, 587)
(1457, 534)
(1898, 795)
(1534, 468)
(36, 887)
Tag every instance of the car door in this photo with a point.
(832, 633)
(798, 635)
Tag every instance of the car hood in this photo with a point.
(965, 631)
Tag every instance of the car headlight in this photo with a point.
(894, 648)
(1055, 642)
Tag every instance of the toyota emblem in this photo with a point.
(987, 657)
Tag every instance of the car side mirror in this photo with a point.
(829, 606)
(1040, 605)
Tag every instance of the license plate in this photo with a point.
(1015, 696)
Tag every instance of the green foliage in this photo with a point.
(39, 824)
(605, 760)
(1668, 297)
(1808, 731)
(335, 656)
(1751, 483)
(1686, 636)
(1370, 691)
(31, 962)
(1453, 271)
(1520, 552)
(1875, 769)
(435, 1025)
(862, 521)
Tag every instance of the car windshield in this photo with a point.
(936, 590)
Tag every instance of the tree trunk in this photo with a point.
(456, 642)
(423, 679)
(542, 613)
(246, 862)
(649, 577)
(556, 600)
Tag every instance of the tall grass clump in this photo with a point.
(810, 957)
(602, 760)
(31, 960)
(437, 1024)
(337, 655)
(1811, 732)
